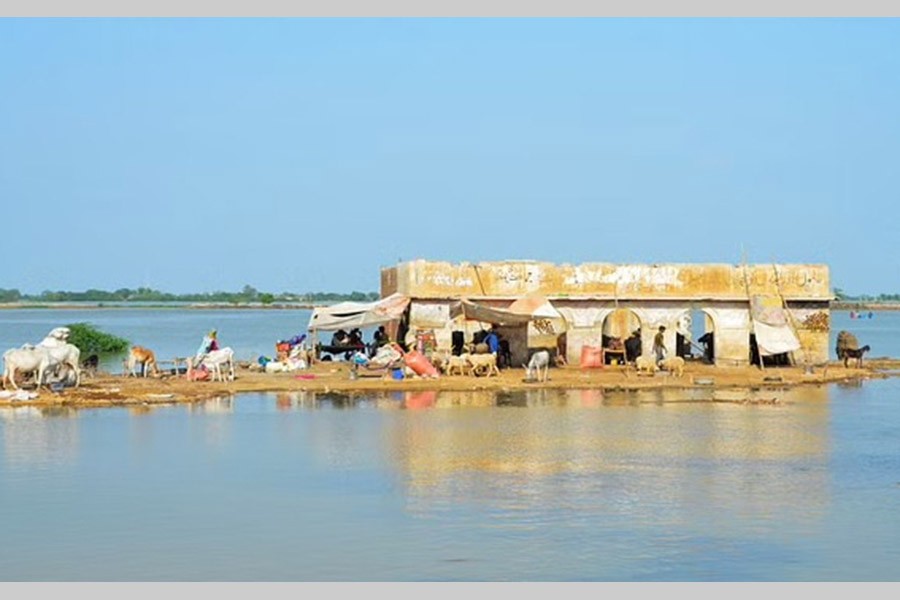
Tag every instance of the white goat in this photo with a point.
(645, 364)
(674, 364)
(538, 365)
(483, 362)
(214, 360)
(458, 363)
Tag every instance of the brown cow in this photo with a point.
(145, 357)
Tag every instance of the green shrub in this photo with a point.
(91, 340)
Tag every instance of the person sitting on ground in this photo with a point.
(380, 337)
(340, 338)
(355, 338)
(659, 345)
(210, 342)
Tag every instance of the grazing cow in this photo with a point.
(214, 360)
(673, 364)
(854, 353)
(538, 365)
(27, 359)
(645, 364)
(143, 356)
(458, 363)
(486, 363)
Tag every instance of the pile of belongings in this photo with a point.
(292, 355)
(283, 348)
(386, 357)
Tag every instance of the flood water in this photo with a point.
(539, 485)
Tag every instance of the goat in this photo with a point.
(483, 362)
(645, 364)
(458, 363)
(439, 359)
(214, 359)
(90, 365)
(854, 353)
(674, 364)
(538, 365)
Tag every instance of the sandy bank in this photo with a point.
(118, 390)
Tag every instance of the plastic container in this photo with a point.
(397, 374)
(419, 364)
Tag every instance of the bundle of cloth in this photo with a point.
(385, 357)
(297, 358)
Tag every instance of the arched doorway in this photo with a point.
(619, 340)
(695, 336)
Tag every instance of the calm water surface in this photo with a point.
(474, 486)
(542, 485)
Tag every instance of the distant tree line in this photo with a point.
(142, 294)
(841, 296)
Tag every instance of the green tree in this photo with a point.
(90, 340)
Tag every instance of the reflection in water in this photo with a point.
(215, 424)
(649, 446)
(39, 436)
(615, 477)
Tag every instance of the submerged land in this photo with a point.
(106, 389)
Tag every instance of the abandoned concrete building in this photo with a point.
(594, 302)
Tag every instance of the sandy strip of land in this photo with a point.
(118, 390)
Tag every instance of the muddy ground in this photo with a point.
(105, 389)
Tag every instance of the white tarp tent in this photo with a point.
(774, 334)
(348, 315)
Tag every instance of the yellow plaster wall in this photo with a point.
(512, 279)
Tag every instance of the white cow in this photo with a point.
(27, 359)
(214, 360)
(538, 365)
(62, 353)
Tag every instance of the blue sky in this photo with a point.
(305, 154)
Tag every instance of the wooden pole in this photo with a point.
(789, 314)
(750, 301)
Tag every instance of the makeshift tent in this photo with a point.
(512, 321)
(774, 334)
(520, 312)
(347, 315)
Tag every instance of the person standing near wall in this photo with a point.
(493, 342)
(659, 344)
